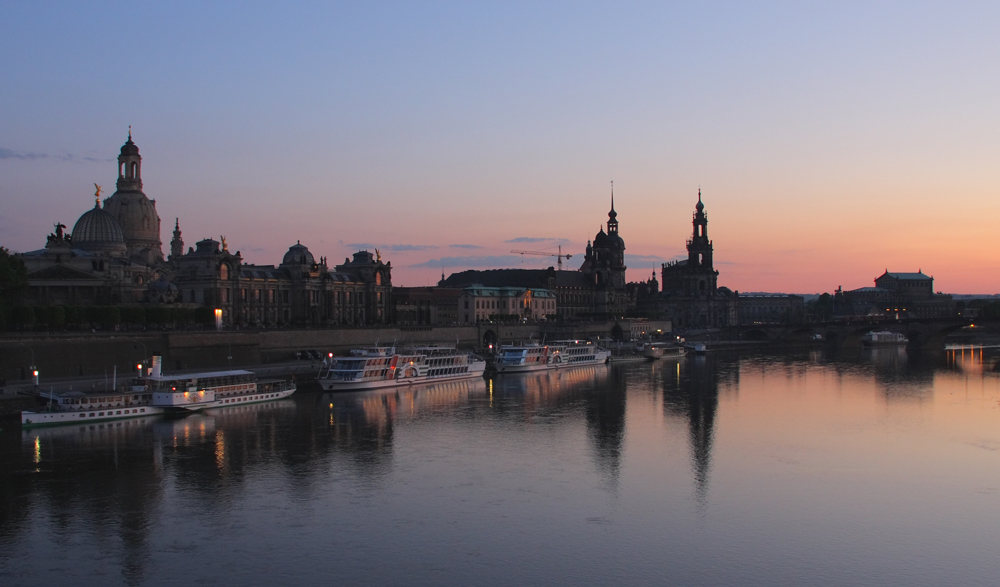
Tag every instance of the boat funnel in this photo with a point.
(157, 366)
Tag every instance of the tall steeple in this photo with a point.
(176, 243)
(699, 247)
(612, 215)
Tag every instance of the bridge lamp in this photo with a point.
(138, 369)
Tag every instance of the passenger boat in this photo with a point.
(883, 338)
(381, 366)
(539, 357)
(158, 394)
(656, 351)
(697, 348)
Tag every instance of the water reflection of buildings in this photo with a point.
(606, 424)
(108, 479)
(102, 478)
(691, 394)
(598, 389)
(899, 377)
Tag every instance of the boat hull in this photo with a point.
(34, 419)
(37, 419)
(335, 385)
(599, 359)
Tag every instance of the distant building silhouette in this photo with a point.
(596, 290)
(114, 256)
(903, 294)
(691, 297)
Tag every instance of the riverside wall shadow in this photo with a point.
(95, 355)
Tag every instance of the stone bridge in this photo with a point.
(921, 332)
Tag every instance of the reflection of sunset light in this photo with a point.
(38, 450)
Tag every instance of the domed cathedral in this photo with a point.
(604, 266)
(135, 213)
(691, 297)
(88, 266)
(113, 256)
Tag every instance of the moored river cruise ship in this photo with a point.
(381, 366)
(883, 338)
(557, 355)
(158, 394)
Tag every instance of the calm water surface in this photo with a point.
(852, 469)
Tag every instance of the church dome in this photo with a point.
(130, 148)
(298, 254)
(136, 214)
(98, 231)
(97, 226)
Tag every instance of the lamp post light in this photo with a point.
(145, 355)
(33, 369)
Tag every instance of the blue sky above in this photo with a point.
(830, 140)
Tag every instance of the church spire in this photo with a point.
(176, 243)
(612, 215)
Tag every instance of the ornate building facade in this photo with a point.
(691, 297)
(114, 257)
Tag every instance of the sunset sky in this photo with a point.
(830, 141)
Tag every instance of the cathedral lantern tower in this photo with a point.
(135, 213)
(129, 167)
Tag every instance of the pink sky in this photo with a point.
(830, 142)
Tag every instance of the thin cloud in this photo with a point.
(393, 248)
(11, 154)
(465, 246)
(496, 261)
(533, 239)
(402, 248)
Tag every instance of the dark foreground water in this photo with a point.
(805, 469)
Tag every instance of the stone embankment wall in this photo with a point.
(66, 355)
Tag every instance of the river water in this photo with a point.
(809, 468)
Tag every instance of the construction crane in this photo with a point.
(558, 255)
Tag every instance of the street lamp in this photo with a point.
(144, 356)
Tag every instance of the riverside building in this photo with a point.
(113, 256)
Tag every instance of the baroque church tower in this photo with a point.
(604, 264)
(700, 254)
(135, 213)
(694, 277)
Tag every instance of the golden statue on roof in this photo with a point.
(97, 194)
